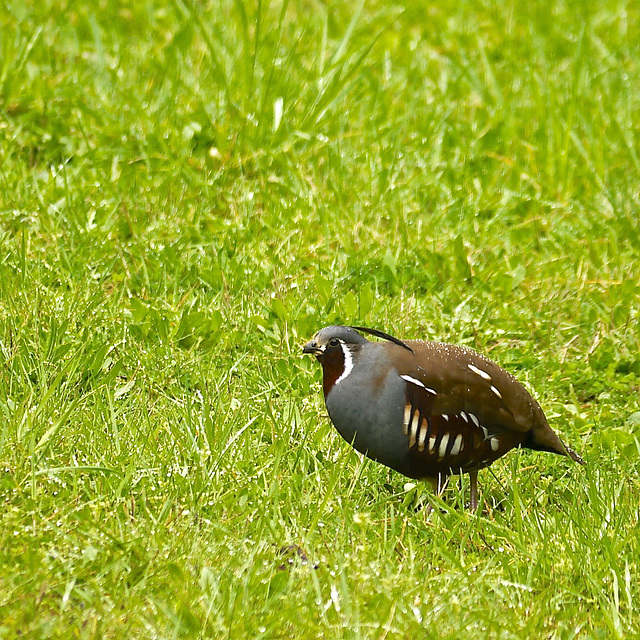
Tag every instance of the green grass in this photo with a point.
(188, 191)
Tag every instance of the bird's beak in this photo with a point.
(312, 348)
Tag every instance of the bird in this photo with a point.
(428, 410)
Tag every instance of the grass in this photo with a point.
(188, 191)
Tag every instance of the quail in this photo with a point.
(426, 409)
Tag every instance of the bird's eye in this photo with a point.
(334, 342)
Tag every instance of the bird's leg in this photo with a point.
(473, 483)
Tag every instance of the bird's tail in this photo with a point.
(573, 455)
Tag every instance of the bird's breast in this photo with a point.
(372, 422)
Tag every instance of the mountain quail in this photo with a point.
(426, 409)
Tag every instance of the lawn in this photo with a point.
(189, 190)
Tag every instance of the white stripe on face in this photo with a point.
(348, 363)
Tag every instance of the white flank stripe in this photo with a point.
(422, 434)
(413, 429)
(494, 444)
(485, 431)
(443, 446)
(407, 419)
(474, 419)
(463, 415)
(457, 445)
(480, 372)
(445, 416)
(348, 363)
(496, 392)
(432, 444)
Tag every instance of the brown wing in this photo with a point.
(464, 380)
(463, 411)
(445, 443)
